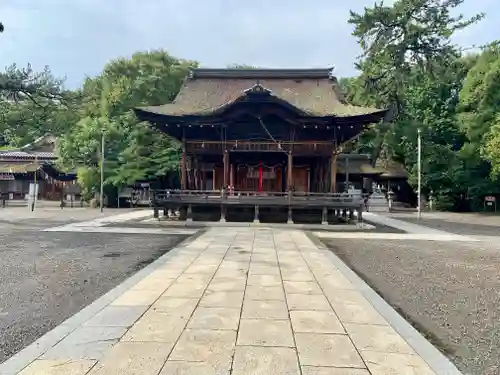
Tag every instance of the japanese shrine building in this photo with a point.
(262, 133)
(34, 162)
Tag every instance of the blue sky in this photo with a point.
(77, 37)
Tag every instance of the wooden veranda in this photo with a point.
(317, 207)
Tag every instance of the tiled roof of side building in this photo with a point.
(392, 169)
(313, 91)
(18, 167)
(27, 155)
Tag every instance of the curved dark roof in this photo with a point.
(51, 171)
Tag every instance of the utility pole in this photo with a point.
(419, 171)
(34, 185)
(101, 196)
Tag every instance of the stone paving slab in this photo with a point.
(85, 343)
(53, 367)
(240, 301)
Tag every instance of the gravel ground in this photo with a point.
(45, 277)
(50, 216)
(458, 228)
(466, 224)
(449, 291)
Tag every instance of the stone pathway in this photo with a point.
(236, 301)
(446, 237)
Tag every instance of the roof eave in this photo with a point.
(400, 175)
(366, 118)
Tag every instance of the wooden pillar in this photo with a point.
(256, 214)
(192, 169)
(189, 172)
(347, 173)
(183, 166)
(231, 175)
(196, 173)
(225, 160)
(333, 173)
(324, 216)
(222, 213)
(290, 185)
(203, 177)
(155, 206)
(308, 180)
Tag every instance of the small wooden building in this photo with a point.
(261, 138)
(35, 161)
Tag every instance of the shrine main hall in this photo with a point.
(262, 143)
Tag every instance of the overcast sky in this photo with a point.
(77, 37)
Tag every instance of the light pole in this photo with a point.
(101, 195)
(419, 171)
(34, 185)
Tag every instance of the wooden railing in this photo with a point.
(298, 147)
(224, 197)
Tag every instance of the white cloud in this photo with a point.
(76, 38)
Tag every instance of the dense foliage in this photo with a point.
(133, 151)
(32, 104)
(408, 64)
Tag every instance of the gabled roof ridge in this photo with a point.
(261, 73)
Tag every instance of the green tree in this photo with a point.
(410, 37)
(410, 65)
(397, 38)
(479, 115)
(148, 155)
(32, 104)
(80, 150)
(480, 95)
(133, 151)
(491, 150)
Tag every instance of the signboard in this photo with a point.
(490, 202)
(267, 173)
